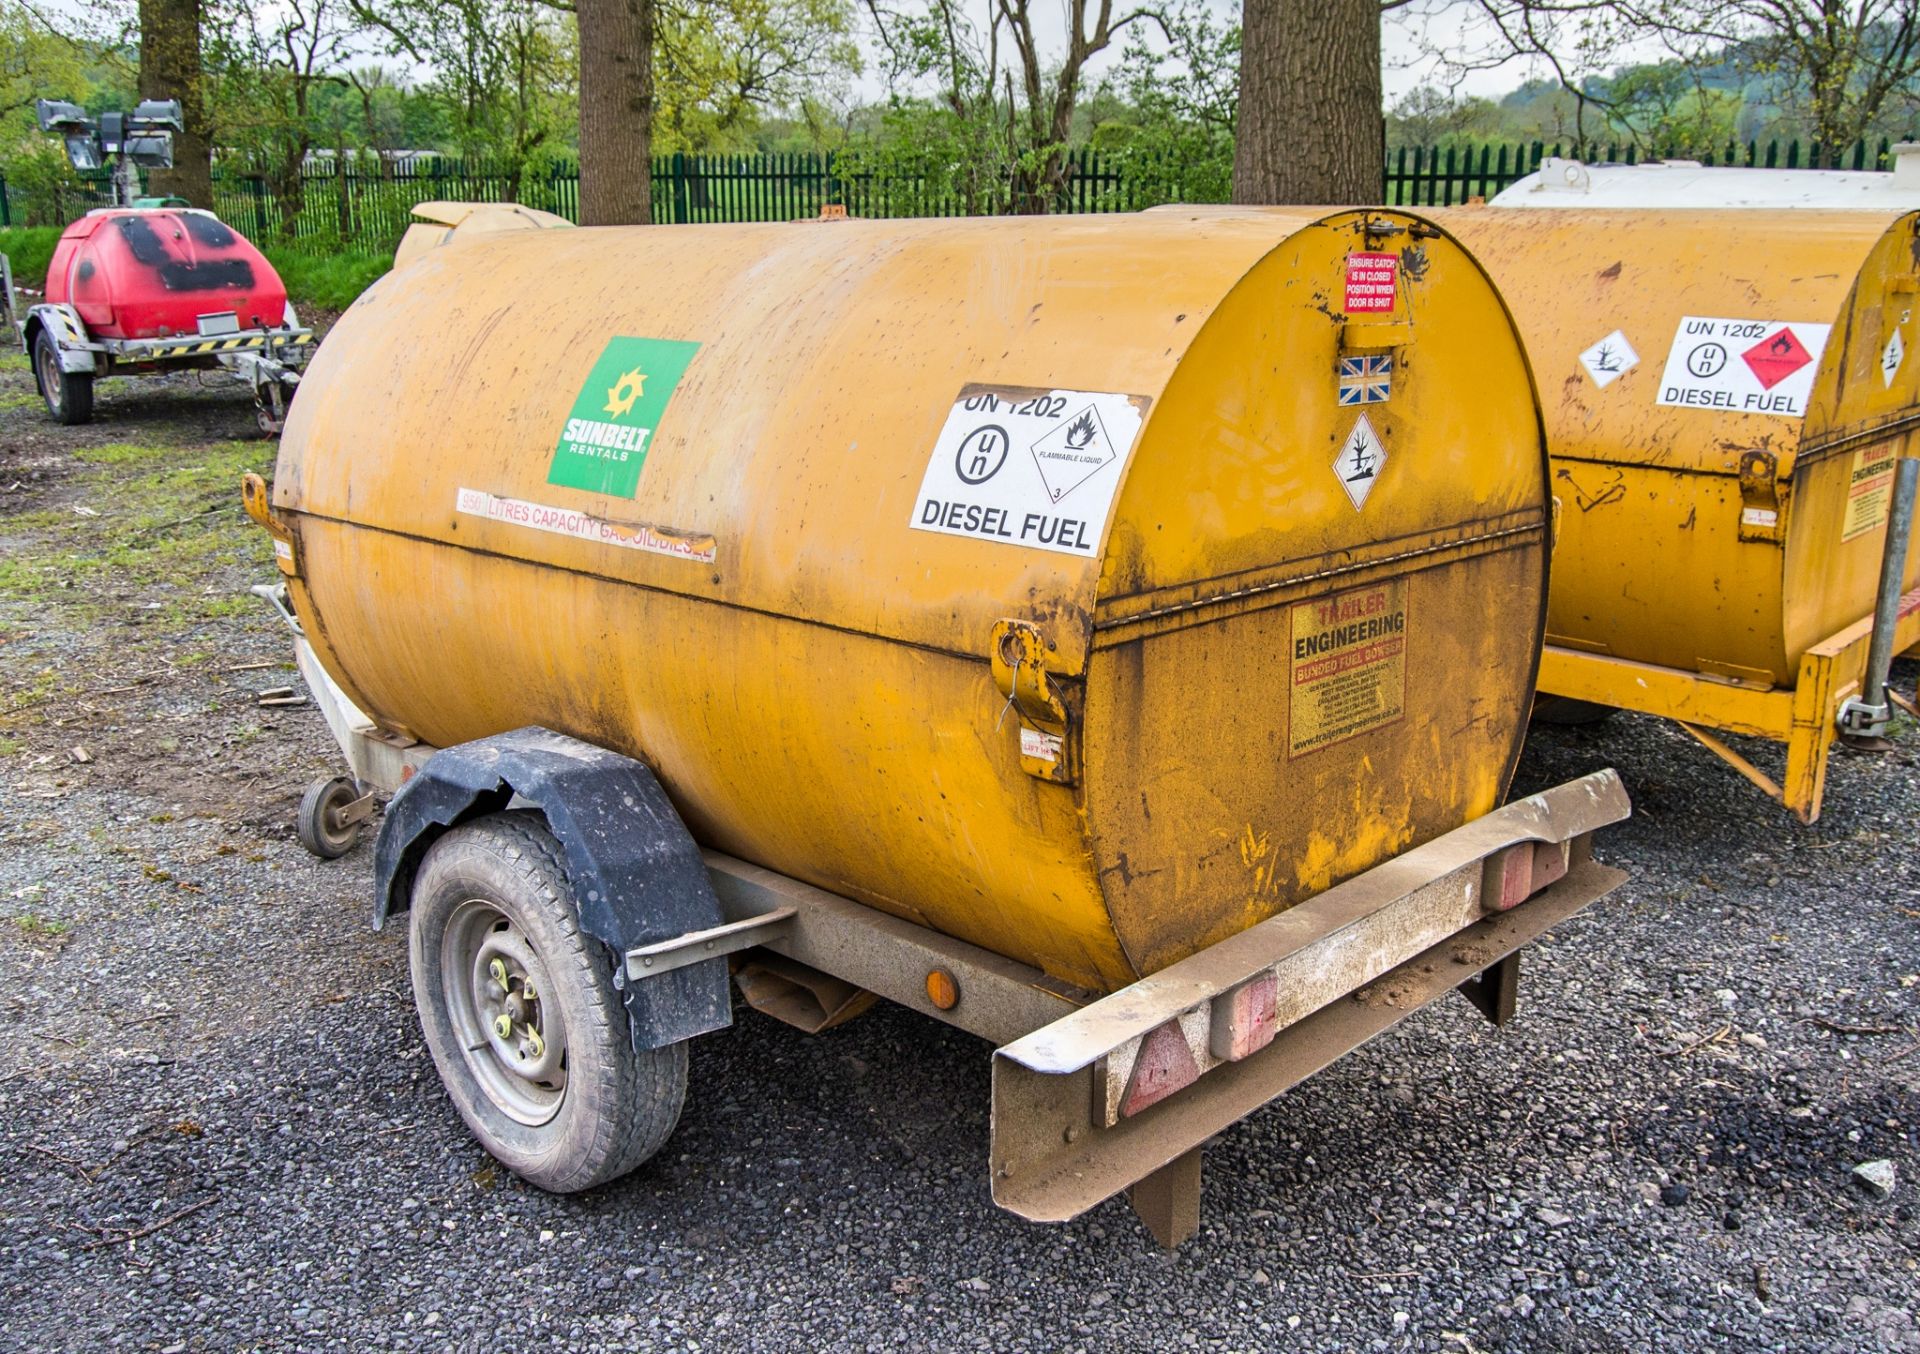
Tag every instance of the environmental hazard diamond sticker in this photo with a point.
(1776, 357)
(1360, 461)
(1072, 452)
(1890, 357)
(1609, 359)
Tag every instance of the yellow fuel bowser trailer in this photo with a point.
(1007, 618)
(1732, 400)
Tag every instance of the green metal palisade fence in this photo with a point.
(367, 206)
(1433, 176)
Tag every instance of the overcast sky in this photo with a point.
(1403, 65)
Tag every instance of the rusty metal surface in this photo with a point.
(818, 695)
(1360, 927)
(664, 956)
(1801, 716)
(1000, 1000)
(1116, 1090)
(1050, 1163)
(1709, 540)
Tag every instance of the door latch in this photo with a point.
(1018, 655)
(1759, 497)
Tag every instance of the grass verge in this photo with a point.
(152, 525)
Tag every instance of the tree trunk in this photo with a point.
(1310, 126)
(170, 68)
(616, 112)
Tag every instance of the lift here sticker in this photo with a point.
(1023, 466)
(606, 438)
(1743, 366)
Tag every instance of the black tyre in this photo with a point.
(69, 394)
(521, 1016)
(318, 820)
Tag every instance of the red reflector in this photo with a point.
(1164, 1066)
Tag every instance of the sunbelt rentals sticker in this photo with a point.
(607, 435)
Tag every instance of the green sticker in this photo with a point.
(611, 427)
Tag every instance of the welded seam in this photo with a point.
(1335, 571)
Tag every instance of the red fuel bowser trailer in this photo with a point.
(151, 286)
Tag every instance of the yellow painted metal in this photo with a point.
(1801, 716)
(841, 698)
(440, 223)
(1714, 545)
(1652, 562)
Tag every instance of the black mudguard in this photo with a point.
(636, 873)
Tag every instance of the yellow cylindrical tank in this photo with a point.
(1085, 588)
(1725, 394)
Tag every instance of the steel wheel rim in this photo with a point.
(50, 379)
(332, 830)
(521, 1064)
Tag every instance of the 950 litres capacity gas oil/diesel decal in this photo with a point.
(1346, 665)
(606, 438)
(1015, 465)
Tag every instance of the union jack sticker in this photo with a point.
(1366, 380)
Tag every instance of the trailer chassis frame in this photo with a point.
(1806, 716)
(1094, 1096)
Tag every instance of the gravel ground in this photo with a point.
(220, 1128)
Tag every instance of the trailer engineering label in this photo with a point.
(605, 441)
(1017, 465)
(1346, 665)
(1869, 491)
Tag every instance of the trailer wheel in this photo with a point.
(318, 818)
(69, 394)
(521, 1016)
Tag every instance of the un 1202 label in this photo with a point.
(1742, 366)
(1026, 466)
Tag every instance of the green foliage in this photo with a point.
(1670, 107)
(719, 67)
(43, 188)
(29, 249)
(1166, 114)
(504, 82)
(330, 281)
(35, 63)
(1429, 116)
(928, 160)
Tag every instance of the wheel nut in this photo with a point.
(503, 1026)
(498, 971)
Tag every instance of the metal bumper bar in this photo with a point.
(145, 350)
(1132, 1084)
